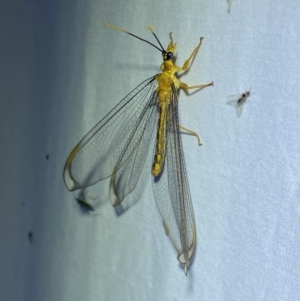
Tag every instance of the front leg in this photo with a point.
(187, 62)
(200, 87)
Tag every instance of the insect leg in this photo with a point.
(199, 87)
(187, 62)
(191, 132)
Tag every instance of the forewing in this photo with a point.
(172, 193)
(95, 157)
(233, 100)
(126, 176)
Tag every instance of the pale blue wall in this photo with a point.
(61, 71)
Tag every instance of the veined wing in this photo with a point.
(172, 193)
(125, 176)
(96, 156)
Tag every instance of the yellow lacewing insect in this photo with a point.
(117, 147)
(238, 101)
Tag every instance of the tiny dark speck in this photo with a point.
(30, 236)
(47, 157)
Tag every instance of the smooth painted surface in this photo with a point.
(62, 71)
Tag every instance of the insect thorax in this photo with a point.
(165, 81)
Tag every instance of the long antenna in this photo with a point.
(151, 28)
(125, 31)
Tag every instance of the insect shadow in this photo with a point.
(128, 203)
(131, 200)
(86, 203)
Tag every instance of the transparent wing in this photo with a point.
(237, 101)
(125, 177)
(116, 136)
(172, 193)
(234, 97)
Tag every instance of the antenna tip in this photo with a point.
(151, 28)
(115, 27)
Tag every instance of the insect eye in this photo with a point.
(169, 55)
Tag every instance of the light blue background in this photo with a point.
(61, 71)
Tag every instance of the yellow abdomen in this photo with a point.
(164, 92)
